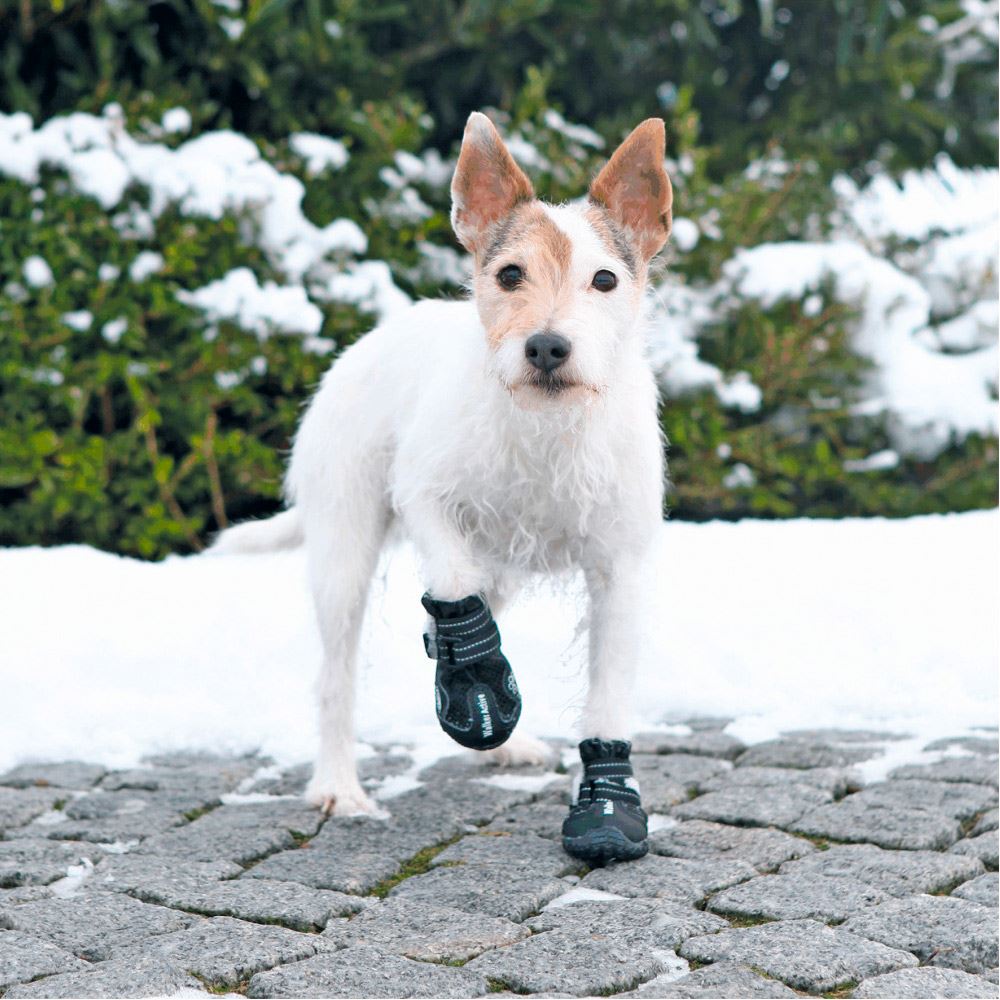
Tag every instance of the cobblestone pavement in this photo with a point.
(773, 873)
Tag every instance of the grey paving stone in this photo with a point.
(204, 777)
(511, 892)
(365, 972)
(975, 769)
(804, 954)
(939, 930)
(669, 779)
(426, 932)
(594, 947)
(699, 840)
(985, 847)
(129, 872)
(24, 894)
(984, 890)
(700, 723)
(93, 925)
(240, 833)
(854, 820)
(928, 981)
(770, 805)
(291, 781)
(351, 871)
(676, 879)
(257, 900)
(792, 897)
(806, 753)
(706, 743)
(107, 817)
(960, 800)
(720, 981)
(224, 951)
(24, 957)
(835, 736)
(989, 820)
(59, 774)
(37, 862)
(418, 819)
(898, 873)
(544, 819)
(383, 765)
(986, 745)
(993, 975)
(693, 772)
(524, 850)
(137, 978)
(19, 806)
(836, 781)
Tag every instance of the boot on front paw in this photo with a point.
(607, 822)
(478, 703)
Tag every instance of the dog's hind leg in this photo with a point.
(343, 548)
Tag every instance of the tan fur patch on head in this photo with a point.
(530, 239)
(487, 185)
(635, 189)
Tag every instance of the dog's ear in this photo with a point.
(487, 183)
(635, 189)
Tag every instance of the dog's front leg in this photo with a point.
(607, 822)
(616, 621)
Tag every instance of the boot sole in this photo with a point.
(602, 846)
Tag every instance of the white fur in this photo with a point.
(416, 423)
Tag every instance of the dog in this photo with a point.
(512, 434)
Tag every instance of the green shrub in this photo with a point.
(148, 445)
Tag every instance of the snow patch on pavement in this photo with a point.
(856, 623)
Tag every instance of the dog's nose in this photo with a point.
(546, 351)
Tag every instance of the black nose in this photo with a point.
(546, 351)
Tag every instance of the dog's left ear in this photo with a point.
(487, 184)
(635, 189)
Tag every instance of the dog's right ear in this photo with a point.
(487, 185)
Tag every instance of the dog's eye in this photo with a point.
(510, 276)
(604, 281)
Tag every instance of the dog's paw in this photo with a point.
(520, 750)
(341, 802)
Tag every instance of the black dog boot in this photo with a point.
(606, 823)
(478, 703)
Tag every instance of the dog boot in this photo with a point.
(478, 703)
(606, 823)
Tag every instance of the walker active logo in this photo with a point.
(484, 715)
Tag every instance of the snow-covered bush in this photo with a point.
(172, 287)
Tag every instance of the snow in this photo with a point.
(684, 234)
(146, 264)
(319, 151)
(176, 121)
(932, 398)
(206, 176)
(260, 309)
(887, 624)
(37, 272)
(79, 320)
(878, 461)
(114, 329)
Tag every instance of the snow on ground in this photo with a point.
(781, 625)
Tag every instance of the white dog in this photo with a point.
(513, 434)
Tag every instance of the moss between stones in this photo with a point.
(843, 990)
(218, 988)
(741, 920)
(419, 864)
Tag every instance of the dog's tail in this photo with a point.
(283, 531)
